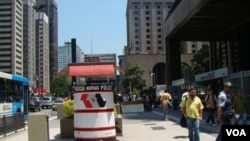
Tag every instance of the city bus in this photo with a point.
(14, 94)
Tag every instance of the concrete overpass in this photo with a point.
(224, 23)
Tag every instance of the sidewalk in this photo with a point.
(148, 126)
(143, 126)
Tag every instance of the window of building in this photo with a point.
(193, 51)
(193, 45)
(159, 24)
(159, 47)
(136, 24)
(136, 12)
(136, 36)
(136, 48)
(158, 6)
(159, 30)
(159, 41)
(158, 12)
(169, 6)
(148, 36)
(136, 18)
(147, 12)
(148, 47)
(147, 30)
(147, 18)
(159, 35)
(135, 6)
(147, 6)
(158, 18)
(148, 42)
(147, 24)
(136, 30)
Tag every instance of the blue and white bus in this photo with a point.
(14, 94)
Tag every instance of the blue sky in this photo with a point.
(102, 21)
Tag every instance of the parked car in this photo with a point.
(34, 105)
(46, 102)
(57, 102)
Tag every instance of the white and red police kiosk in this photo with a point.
(93, 107)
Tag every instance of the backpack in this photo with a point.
(212, 99)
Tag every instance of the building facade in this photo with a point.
(29, 41)
(42, 51)
(65, 55)
(145, 38)
(11, 36)
(50, 8)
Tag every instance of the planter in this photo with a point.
(131, 108)
(67, 127)
(118, 125)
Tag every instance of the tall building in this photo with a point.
(65, 55)
(11, 36)
(145, 38)
(144, 25)
(29, 41)
(50, 8)
(42, 51)
(189, 49)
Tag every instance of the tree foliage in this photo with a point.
(60, 85)
(134, 78)
(199, 64)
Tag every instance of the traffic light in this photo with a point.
(73, 80)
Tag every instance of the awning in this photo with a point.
(87, 69)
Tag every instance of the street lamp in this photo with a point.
(153, 76)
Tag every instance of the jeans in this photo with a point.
(242, 117)
(193, 129)
(210, 115)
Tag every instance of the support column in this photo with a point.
(173, 60)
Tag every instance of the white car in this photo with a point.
(46, 102)
(57, 102)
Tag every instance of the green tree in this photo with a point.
(60, 85)
(189, 71)
(199, 64)
(202, 58)
(133, 79)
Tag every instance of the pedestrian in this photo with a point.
(240, 108)
(224, 109)
(175, 100)
(192, 109)
(185, 94)
(164, 101)
(211, 103)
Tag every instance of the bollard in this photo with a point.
(38, 128)
(60, 112)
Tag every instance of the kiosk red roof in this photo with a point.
(91, 69)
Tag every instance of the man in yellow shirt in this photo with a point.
(191, 108)
(164, 102)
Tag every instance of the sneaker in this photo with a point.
(214, 125)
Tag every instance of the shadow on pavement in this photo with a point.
(180, 137)
(142, 116)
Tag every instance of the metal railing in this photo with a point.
(11, 123)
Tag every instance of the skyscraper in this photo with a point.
(29, 40)
(145, 38)
(64, 55)
(50, 8)
(145, 25)
(42, 51)
(11, 36)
